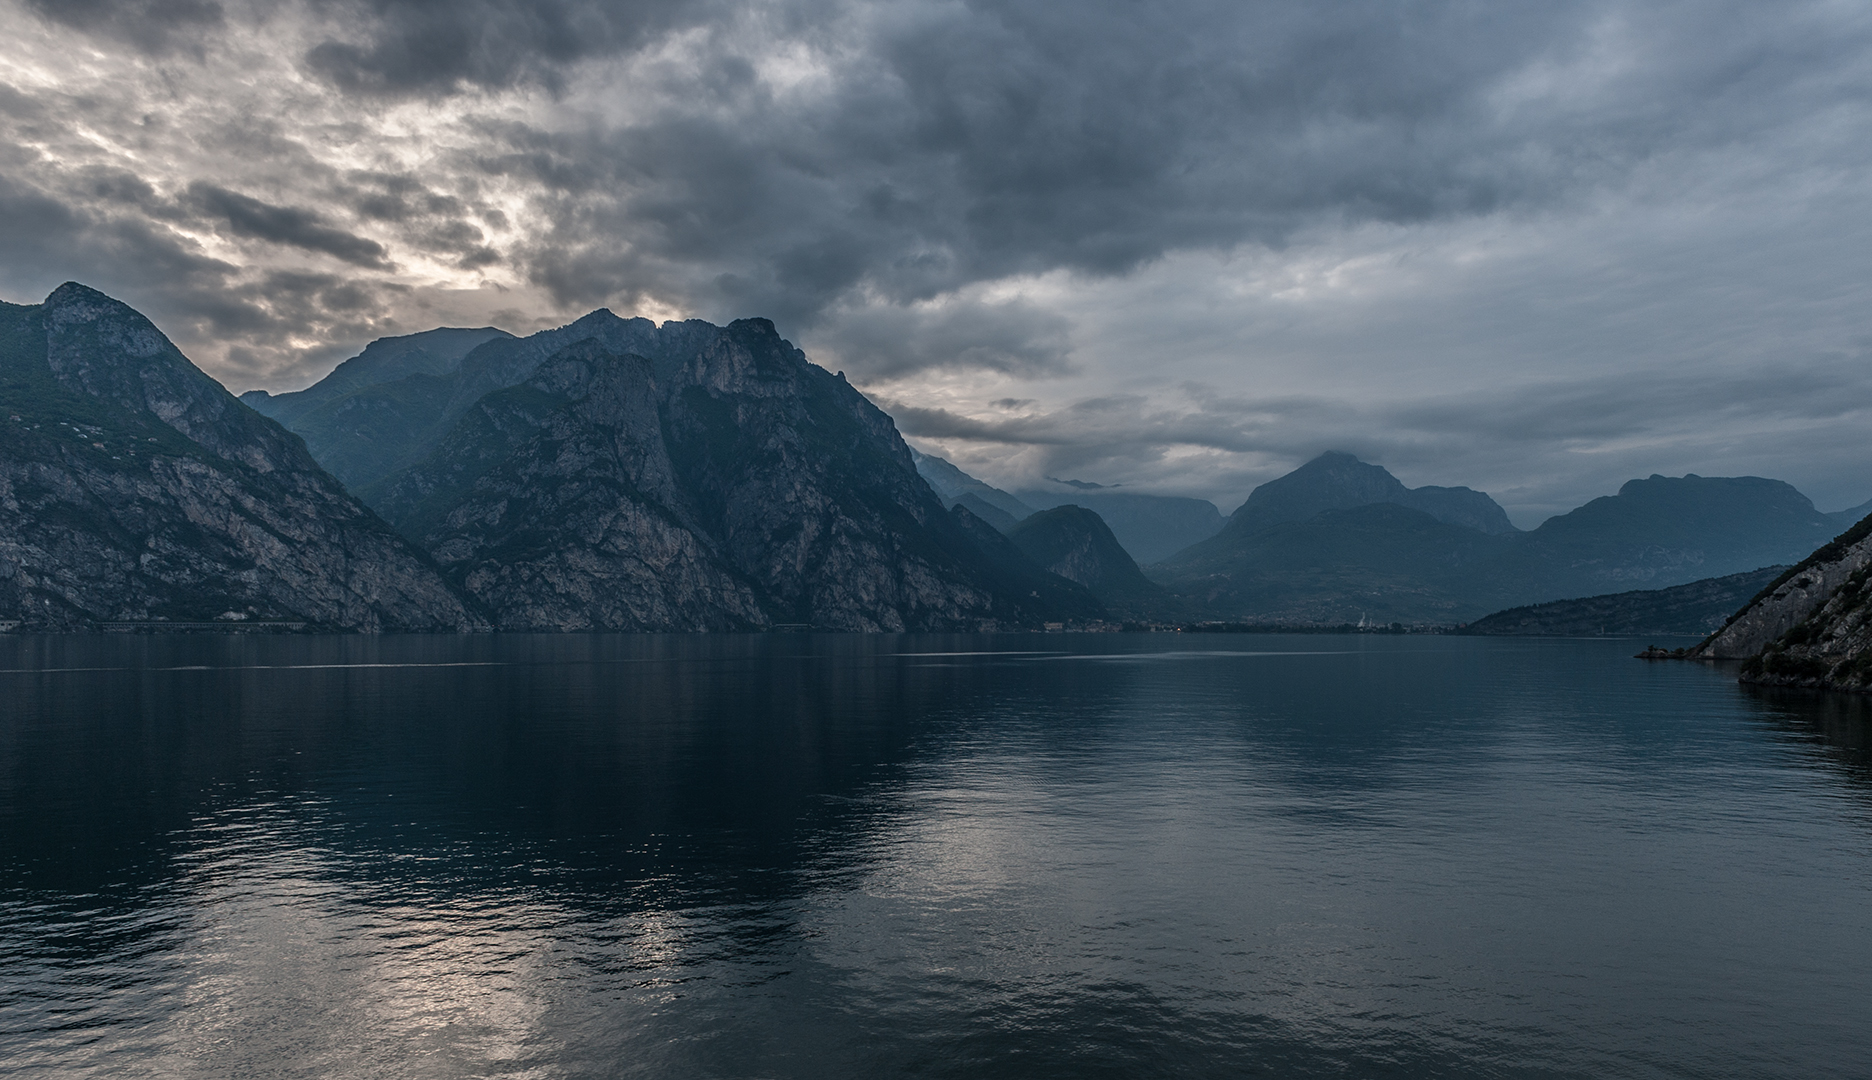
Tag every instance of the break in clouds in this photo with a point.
(1537, 249)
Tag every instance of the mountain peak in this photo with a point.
(1336, 480)
(158, 497)
(1332, 481)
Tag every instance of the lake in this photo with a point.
(856, 856)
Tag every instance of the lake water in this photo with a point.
(860, 856)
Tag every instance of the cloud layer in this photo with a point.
(1535, 248)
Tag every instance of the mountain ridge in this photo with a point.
(1655, 532)
(134, 488)
(771, 490)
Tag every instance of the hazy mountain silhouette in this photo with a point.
(1151, 527)
(1294, 550)
(952, 486)
(1337, 481)
(1076, 544)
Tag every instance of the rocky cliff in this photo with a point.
(1812, 626)
(134, 488)
(701, 478)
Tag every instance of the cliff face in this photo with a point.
(133, 487)
(1810, 627)
(709, 478)
(1787, 601)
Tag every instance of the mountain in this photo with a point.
(952, 486)
(1075, 543)
(1014, 572)
(1148, 527)
(1151, 527)
(134, 488)
(1668, 530)
(1412, 565)
(1787, 602)
(1338, 481)
(705, 478)
(1852, 515)
(1002, 521)
(435, 353)
(1697, 608)
(1381, 561)
(377, 419)
(1810, 627)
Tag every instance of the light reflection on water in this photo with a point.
(822, 856)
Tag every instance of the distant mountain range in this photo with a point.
(1339, 540)
(1444, 555)
(616, 474)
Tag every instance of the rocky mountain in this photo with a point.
(1696, 608)
(1075, 543)
(1413, 565)
(1812, 626)
(1794, 600)
(375, 419)
(133, 488)
(695, 477)
(436, 353)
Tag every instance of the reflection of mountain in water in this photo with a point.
(826, 855)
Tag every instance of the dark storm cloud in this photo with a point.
(300, 227)
(153, 26)
(1011, 337)
(414, 47)
(974, 142)
(1659, 198)
(428, 220)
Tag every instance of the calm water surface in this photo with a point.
(1044, 855)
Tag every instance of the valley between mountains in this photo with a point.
(616, 474)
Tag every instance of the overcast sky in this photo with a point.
(1534, 248)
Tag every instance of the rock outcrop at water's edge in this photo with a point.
(1812, 626)
(135, 489)
(1789, 600)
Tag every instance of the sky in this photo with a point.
(1178, 246)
